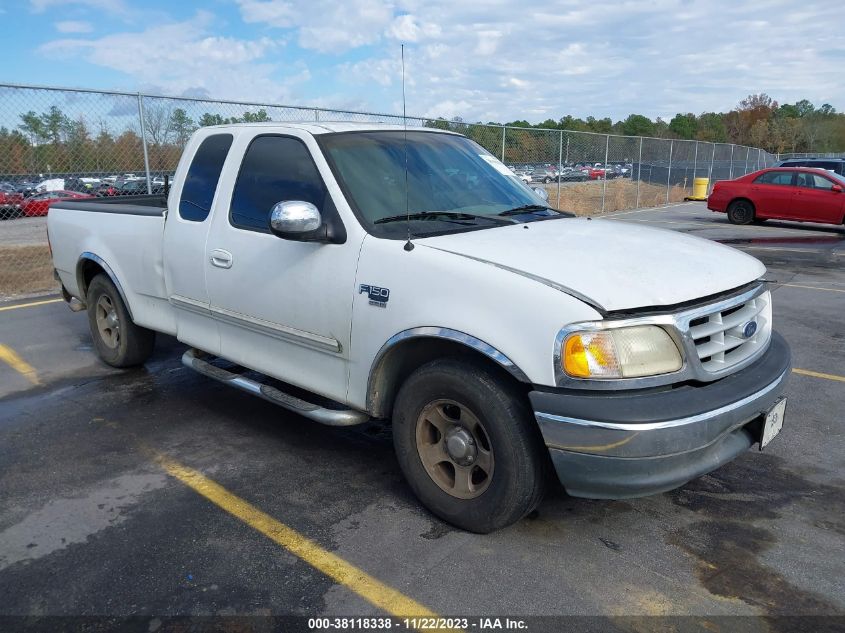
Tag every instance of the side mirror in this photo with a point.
(836, 189)
(295, 220)
(542, 193)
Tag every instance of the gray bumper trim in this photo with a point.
(654, 439)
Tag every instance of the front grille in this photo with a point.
(719, 337)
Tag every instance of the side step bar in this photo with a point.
(331, 417)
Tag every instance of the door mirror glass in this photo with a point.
(294, 218)
(836, 189)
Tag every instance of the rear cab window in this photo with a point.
(203, 175)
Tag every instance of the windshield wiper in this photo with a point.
(451, 215)
(527, 208)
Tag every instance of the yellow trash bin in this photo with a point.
(699, 189)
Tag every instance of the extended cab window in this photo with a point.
(275, 169)
(774, 178)
(203, 174)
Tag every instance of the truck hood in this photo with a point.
(610, 264)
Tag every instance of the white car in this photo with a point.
(500, 336)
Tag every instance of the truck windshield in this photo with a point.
(452, 183)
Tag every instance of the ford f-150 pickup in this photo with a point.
(353, 272)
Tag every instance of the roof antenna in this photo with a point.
(409, 246)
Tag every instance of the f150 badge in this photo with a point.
(377, 296)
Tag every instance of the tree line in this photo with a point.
(51, 141)
(757, 121)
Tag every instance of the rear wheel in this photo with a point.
(740, 212)
(118, 341)
(468, 445)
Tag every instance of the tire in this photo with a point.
(118, 341)
(457, 395)
(547, 180)
(740, 212)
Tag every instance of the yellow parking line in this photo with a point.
(817, 374)
(342, 572)
(13, 360)
(812, 287)
(30, 305)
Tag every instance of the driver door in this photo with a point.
(283, 307)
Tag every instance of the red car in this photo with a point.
(40, 203)
(782, 193)
(9, 199)
(594, 173)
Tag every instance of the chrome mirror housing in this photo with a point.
(294, 217)
(542, 193)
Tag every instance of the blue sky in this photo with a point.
(491, 60)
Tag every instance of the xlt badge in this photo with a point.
(377, 296)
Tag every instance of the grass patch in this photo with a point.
(25, 270)
(621, 195)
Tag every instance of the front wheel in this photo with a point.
(118, 341)
(740, 212)
(468, 445)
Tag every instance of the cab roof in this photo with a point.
(330, 127)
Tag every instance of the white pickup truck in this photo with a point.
(353, 272)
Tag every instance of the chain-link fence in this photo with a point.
(56, 143)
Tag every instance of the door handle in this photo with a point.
(221, 258)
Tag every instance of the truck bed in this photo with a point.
(124, 232)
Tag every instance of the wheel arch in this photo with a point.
(408, 350)
(89, 266)
(741, 199)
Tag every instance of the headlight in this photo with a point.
(627, 352)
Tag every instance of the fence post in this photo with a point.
(731, 172)
(710, 171)
(747, 152)
(604, 169)
(639, 173)
(559, 167)
(144, 142)
(669, 172)
(695, 163)
(503, 143)
(317, 115)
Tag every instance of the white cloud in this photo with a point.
(485, 59)
(184, 57)
(74, 26)
(323, 25)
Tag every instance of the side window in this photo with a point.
(774, 178)
(820, 182)
(203, 174)
(275, 169)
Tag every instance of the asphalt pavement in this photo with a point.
(158, 492)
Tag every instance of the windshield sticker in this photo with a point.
(497, 164)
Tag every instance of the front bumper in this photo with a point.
(612, 445)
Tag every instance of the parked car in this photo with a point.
(594, 173)
(783, 193)
(25, 188)
(570, 174)
(106, 189)
(10, 200)
(544, 174)
(138, 187)
(630, 377)
(836, 165)
(40, 203)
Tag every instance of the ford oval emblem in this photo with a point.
(750, 329)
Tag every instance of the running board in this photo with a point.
(329, 417)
